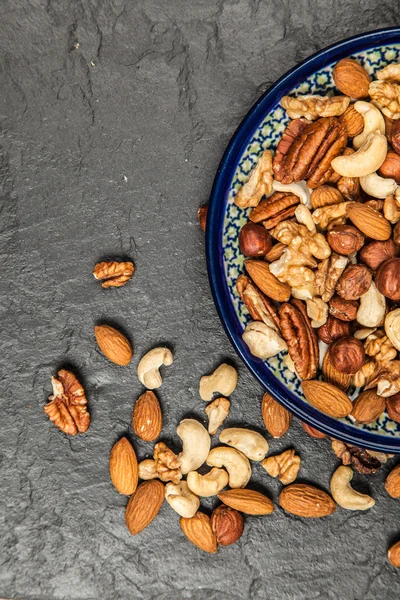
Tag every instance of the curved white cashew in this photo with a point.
(376, 186)
(196, 444)
(303, 215)
(251, 443)
(344, 494)
(147, 469)
(234, 461)
(217, 411)
(263, 341)
(182, 499)
(392, 327)
(368, 158)
(372, 307)
(362, 334)
(207, 485)
(223, 380)
(299, 189)
(373, 121)
(148, 367)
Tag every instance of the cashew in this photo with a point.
(251, 443)
(262, 340)
(147, 469)
(181, 499)
(344, 494)
(368, 158)
(196, 444)
(373, 121)
(217, 412)
(235, 462)
(299, 189)
(372, 307)
(207, 485)
(376, 186)
(148, 367)
(304, 216)
(392, 327)
(223, 380)
(362, 334)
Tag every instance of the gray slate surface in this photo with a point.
(107, 148)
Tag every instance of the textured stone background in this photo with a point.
(113, 117)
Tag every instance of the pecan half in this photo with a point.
(300, 337)
(360, 459)
(306, 152)
(258, 184)
(271, 211)
(258, 305)
(328, 274)
(67, 406)
(114, 273)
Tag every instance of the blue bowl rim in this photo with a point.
(214, 249)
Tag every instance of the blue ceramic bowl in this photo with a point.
(261, 129)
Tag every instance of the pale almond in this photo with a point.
(113, 344)
(275, 416)
(147, 417)
(392, 483)
(247, 501)
(124, 470)
(369, 221)
(368, 407)
(198, 530)
(144, 505)
(305, 500)
(266, 281)
(327, 398)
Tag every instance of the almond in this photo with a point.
(266, 281)
(332, 375)
(198, 530)
(275, 416)
(315, 433)
(369, 221)
(392, 483)
(144, 505)
(394, 554)
(113, 344)
(305, 500)
(147, 417)
(327, 398)
(351, 78)
(368, 406)
(124, 469)
(247, 501)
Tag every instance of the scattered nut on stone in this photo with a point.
(223, 380)
(217, 411)
(344, 494)
(285, 466)
(113, 273)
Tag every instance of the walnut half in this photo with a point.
(67, 406)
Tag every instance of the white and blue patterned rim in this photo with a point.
(224, 221)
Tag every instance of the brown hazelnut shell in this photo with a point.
(354, 282)
(345, 239)
(333, 329)
(254, 240)
(347, 355)
(387, 279)
(227, 524)
(376, 252)
(345, 310)
(391, 166)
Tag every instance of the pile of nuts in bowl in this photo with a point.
(322, 245)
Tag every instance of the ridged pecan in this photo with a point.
(67, 406)
(305, 152)
(300, 337)
(328, 274)
(115, 274)
(258, 305)
(360, 459)
(271, 211)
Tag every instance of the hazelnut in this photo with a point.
(375, 253)
(393, 406)
(396, 234)
(354, 282)
(395, 136)
(387, 279)
(345, 310)
(254, 240)
(333, 329)
(345, 239)
(325, 195)
(353, 121)
(347, 355)
(202, 216)
(227, 524)
(391, 166)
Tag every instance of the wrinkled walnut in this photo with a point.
(67, 406)
(366, 374)
(274, 209)
(115, 274)
(285, 466)
(167, 464)
(335, 214)
(317, 310)
(387, 380)
(391, 72)
(391, 208)
(354, 282)
(333, 329)
(380, 347)
(259, 183)
(300, 338)
(259, 306)
(360, 459)
(386, 96)
(327, 275)
(313, 107)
